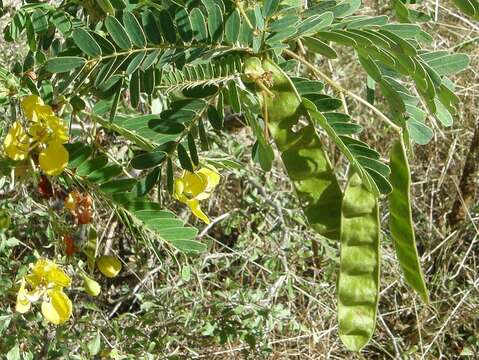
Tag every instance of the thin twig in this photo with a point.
(135, 289)
(391, 335)
(213, 223)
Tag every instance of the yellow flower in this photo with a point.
(58, 308)
(46, 129)
(47, 273)
(109, 266)
(16, 142)
(54, 159)
(46, 281)
(35, 109)
(49, 129)
(192, 187)
(38, 132)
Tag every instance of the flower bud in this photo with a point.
(109, 266)
(70, 202)
(253, 70)
(4, 220)
(91, 286)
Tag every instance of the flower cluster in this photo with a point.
(192, 187)
(46, 133)
(46, 282)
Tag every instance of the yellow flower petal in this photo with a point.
(35, 109)
(58, 128)
(208, 178)
(39, 267)
(54, 159)
(33, 280)
(109, 266)
(46, 272)
(54, 275)
(29, 104)
(194, 184)
(58, 277)
(179, 188)
(16, 142)
(37, 112)
(42, 112)
(194, 205)
(211, 183)
(23, 303)
(212, 176)
(58, 309)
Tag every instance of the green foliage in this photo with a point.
(127, 194)
(164, 76)
(469, 7)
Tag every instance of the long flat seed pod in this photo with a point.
(358, 282)
(303, 156)
(400, 220)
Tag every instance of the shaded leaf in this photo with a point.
(133, 29)
(117, 32)
(86, 42)
(64, 64)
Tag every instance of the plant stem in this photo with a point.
(240, 7)
(339, 88)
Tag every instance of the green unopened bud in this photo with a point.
(91, 286)
(4, 220)
(253, 70)
(109, 265)
(11, 84)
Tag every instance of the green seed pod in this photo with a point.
(303, 156)
(400, 220)
(358, 283)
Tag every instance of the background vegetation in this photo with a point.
(258, 292)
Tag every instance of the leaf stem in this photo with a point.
(242, 12)
(339, 88)
(264, 88)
